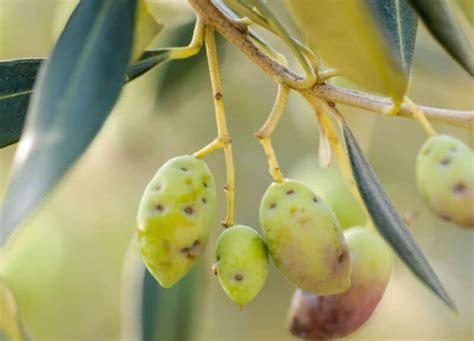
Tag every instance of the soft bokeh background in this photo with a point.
(65, 264)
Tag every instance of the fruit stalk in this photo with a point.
(264, 134)
(223, 138)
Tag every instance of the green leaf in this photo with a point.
(74, 93)
(348, 36)
(153, 313)
(467, 7)
(440, 20)
(16, 85)
(146, 29)
(388, 221)
(399, 23)
(18, 77)
(11, 326)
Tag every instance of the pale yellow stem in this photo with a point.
(420, 116)
(264, 134)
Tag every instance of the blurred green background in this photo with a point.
(66, 263)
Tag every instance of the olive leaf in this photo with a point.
(467, 7)
(151, 312)
(18, 77)
(16, 86)
(441, 22)
(400, 23)
(146, 29)
(350, 36)
(387, 219)
(74, 93)
(11, 326)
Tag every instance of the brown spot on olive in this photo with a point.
(315, 199)
(290, 192)
(238, 277)
(158, 188)
(160, 208)
(217, 96)
(273, 205)
(459, 188)
(184, 169)
(218, 257)
(204, 200)
(445, 162)
(204, 184)
(444, 216)
(188, 210)
(192, 251)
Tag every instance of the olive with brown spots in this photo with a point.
(325, 317)
(175, 218)
(241, 263)
(304, 238)
(445, 177)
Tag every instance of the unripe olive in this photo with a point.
(445, 177)
(175, 217)
(335, 316)
(332, 187)
(241, 263)
(304, 238)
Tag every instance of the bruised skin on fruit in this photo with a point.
(175, 217)
(445, 177)
(324, 317)
(241, 263)
(304, 238)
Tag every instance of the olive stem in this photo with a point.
(280, 31)
(223, 138)
(211, 16)
(264, 133)
(420, 116)
(194, 46)
(323, 76)
(337, 145)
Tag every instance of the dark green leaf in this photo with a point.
(167, 313)
(440, 20)
(74, 93)
(388, 221)
(16, 85)
(18, 76)
(400, 23)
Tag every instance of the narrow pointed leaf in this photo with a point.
(74, 93)
(348, 36)
(16, 86)
(146, 29)
(399, 23)
(388, 221)
(17, 78)
(441, 22)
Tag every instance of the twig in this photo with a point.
(211, 16)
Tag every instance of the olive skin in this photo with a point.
(304, 238)
(325, 317)
(241, 263)
(445, 178)
(175, 217)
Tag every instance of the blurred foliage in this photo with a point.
(65, 266)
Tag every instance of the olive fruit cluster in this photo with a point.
(322, 317)
(445, 177)
(301, 233)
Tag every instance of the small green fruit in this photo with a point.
(304, 238)
(175, 217)
(242, 263)
(445, 177)
(332, 187)
(323, 317)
